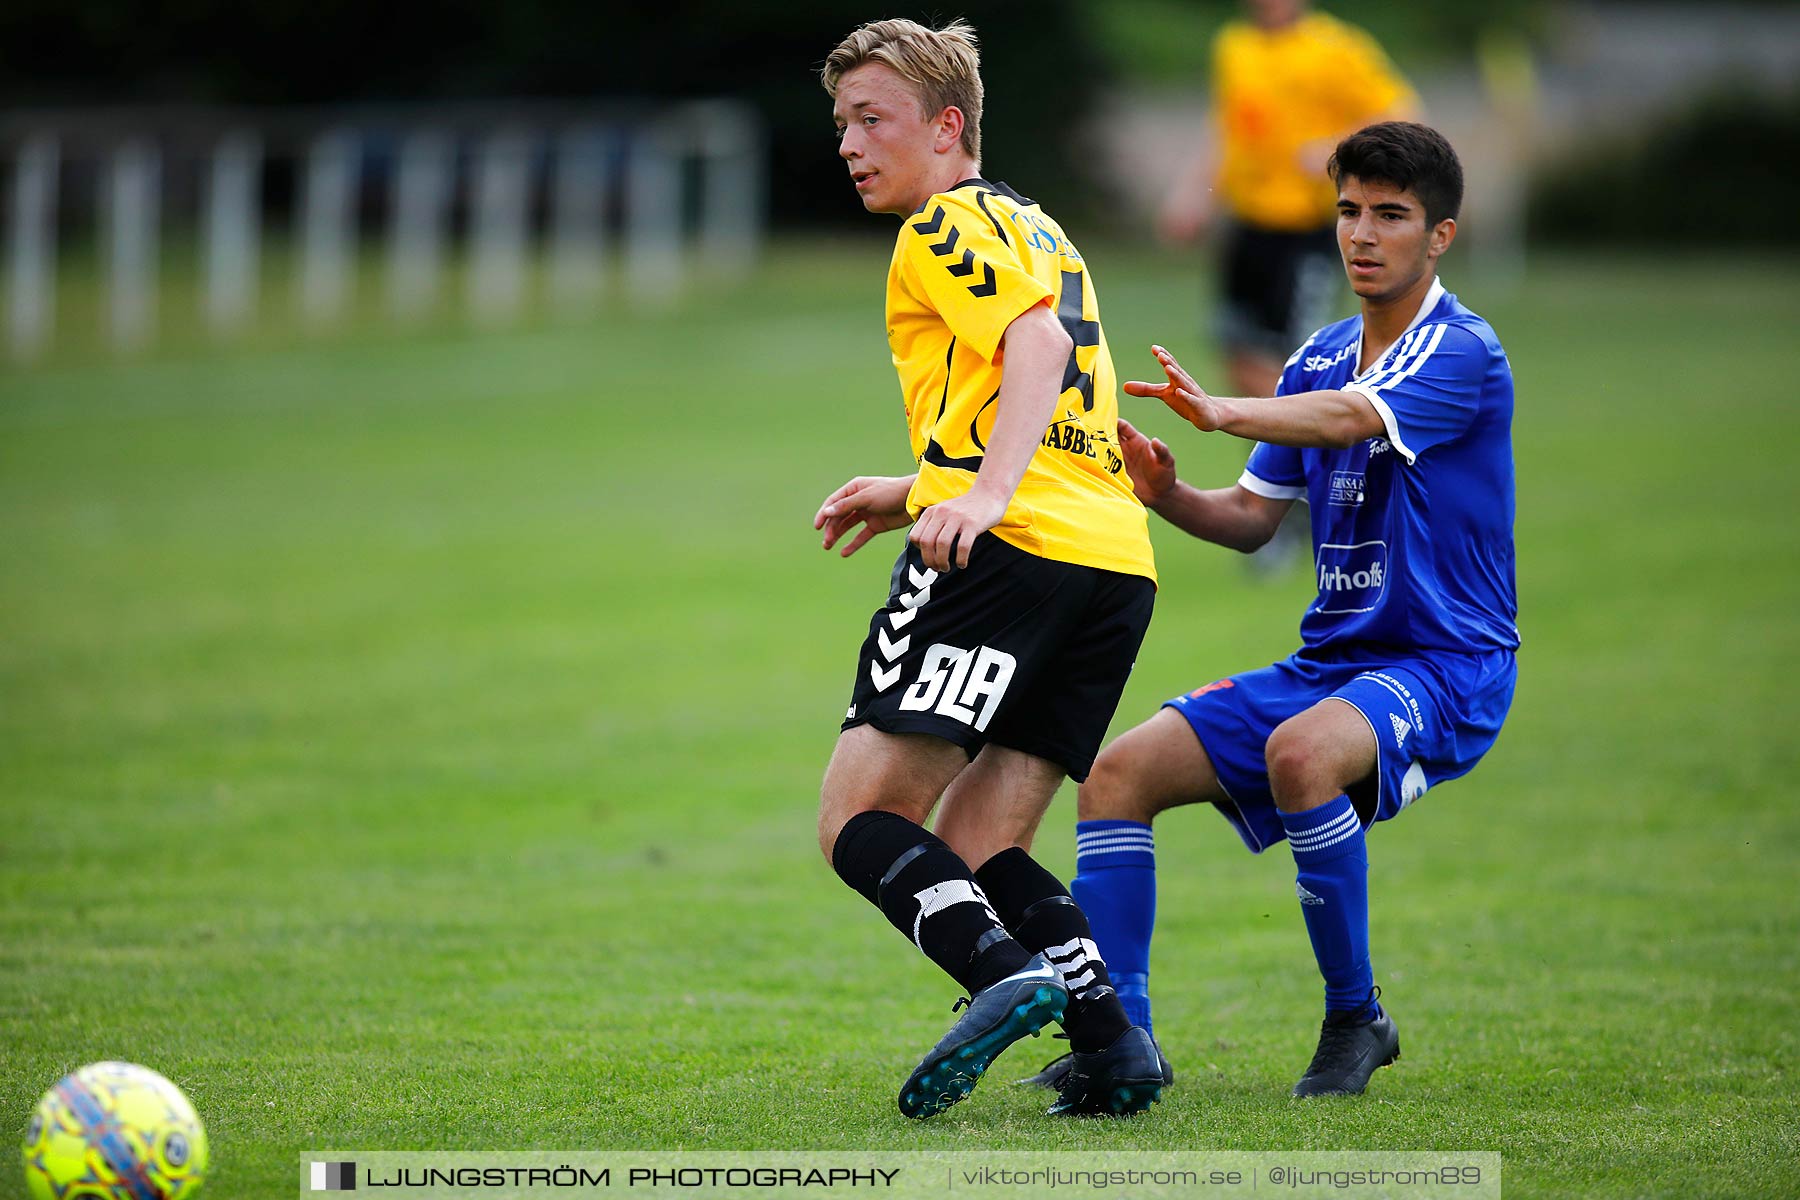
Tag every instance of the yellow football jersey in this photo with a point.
(1275, 91)
(965, 266)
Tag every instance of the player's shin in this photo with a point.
(928, 893)
(1043, 918)
(1333, 888)
(1115, 885)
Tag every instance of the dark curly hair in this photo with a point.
(1406, 155)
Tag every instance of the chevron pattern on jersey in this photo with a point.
(965, 266)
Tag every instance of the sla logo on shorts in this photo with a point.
(953, 681)
(1351, 578)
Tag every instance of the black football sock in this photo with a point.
(929, 894)
(1045, 919)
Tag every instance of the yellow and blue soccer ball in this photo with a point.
(114, 1131)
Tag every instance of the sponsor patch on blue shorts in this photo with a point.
(1433, 717)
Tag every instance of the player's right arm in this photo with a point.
(1234, 517)
(957, 261)
(1036, 347)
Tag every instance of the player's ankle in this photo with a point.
(1093, 1025)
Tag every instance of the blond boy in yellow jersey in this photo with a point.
(1287, 85)
(1014, 613)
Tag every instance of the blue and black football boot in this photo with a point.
(1022, 1003)
(1051, 1076)
(1123, 1079)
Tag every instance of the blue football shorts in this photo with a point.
(1433, 716)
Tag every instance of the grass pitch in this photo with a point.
(415, 745)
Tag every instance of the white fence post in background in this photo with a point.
(655, 197)
(653, 215)
(132, 215)
(496, 278)
(418, 219)
(577, 217)
(233, 242)
(31, 248)
(729, 140)
(328, 226)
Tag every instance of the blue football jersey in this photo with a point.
(1412, 532)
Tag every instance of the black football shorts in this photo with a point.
(1278, 287)
(1013, 649)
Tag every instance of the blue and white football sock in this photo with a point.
(1333, 888)
(1115, 885)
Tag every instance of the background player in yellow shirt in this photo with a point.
(1288, 84)
(1016, 610)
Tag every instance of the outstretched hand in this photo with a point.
(1149, 462)
(876, 502)
(1185, 397)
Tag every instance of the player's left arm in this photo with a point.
(1318, 419)
(876, 502)
(1036, 347)
(1427, 394)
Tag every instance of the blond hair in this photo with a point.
(943, 65)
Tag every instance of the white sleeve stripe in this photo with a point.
(1388, 420)
(1269, 491)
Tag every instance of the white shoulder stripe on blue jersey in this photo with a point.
(1427, 340)
(1421, 353)
(1433, 297)
(1408, 345)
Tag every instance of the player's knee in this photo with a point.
(830, 825)
(1294, 767)
(835, 811)
(1112, 790)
